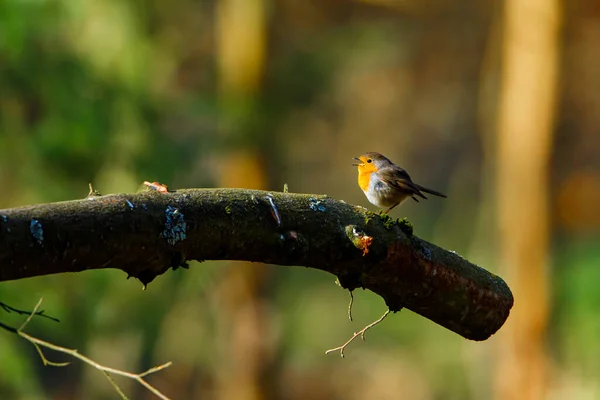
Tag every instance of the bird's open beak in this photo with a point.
(359, 162)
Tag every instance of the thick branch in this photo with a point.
(145, 234)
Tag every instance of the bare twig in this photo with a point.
(10, 309)
(350, 306)
(8, 328)
(360, 333)
(38, 343)
(114, 384)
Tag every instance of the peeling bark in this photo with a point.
(145, 234)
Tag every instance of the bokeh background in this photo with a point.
(494, 103)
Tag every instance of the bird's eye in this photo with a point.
(369, 161)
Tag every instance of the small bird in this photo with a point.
(386, 184)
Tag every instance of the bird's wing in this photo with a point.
(400, 180)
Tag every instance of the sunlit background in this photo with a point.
(496, 104)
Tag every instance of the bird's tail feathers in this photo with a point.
(430, 191)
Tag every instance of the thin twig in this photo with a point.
(360, 333)
(10, 309)
(8, 328)
(30, 316)
(93, 192)
(114, 384)
(74, 353)
(350, 306)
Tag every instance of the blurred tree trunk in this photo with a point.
(525, 126)
(243, 324)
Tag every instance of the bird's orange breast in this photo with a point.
(363, 179)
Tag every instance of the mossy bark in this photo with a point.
(147, 233)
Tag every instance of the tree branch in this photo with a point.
(145, 234)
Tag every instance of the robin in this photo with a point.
(385, 184)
